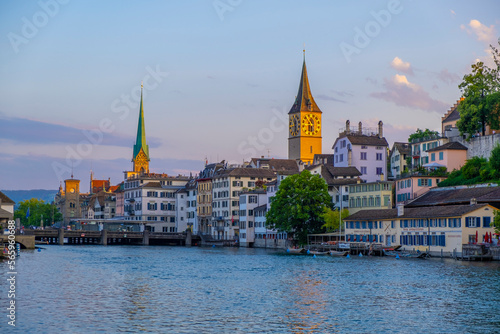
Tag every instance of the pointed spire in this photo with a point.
(140, 142)
(304, 100)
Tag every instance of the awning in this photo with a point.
(433, 165)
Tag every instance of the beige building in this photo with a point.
(68, 200)
(370, 195)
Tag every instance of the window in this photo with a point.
(363, 155)
(379, 156)
(379, 170)
(363, 170)
(433, 156)
(341, 158)
(486, 221)
(364, 147)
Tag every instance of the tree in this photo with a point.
(496, 221)
(299, 205)
(37, 210)
(419, 134)
(494, 163)
(481, 92)
(331, 218)
(472, 167)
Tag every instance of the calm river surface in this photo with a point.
(126, 289)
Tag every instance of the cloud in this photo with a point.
(401, 66)
(401, 92)
(373, 81)
(328, 98)
(448, 77)
(483, 33)
(452, 12)
(342, 93)
(22, 130)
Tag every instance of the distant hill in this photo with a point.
(21, 195)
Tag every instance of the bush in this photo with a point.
(472, 167)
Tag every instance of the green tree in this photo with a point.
(299, 205)
(472, 167)
(332, 219)
(481, 92)
(37, 210)
(496, 221)
(419, 134)
(494, 163)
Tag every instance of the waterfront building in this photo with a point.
(151, 199)
(6, 210)
(249, 200)
(102, 205)
(397, 158)
(440, 230)
(204, 197)
(338, 180)
(304, 140)
(413, 186)
(227, 186)
(191, 206)
(181, 203)
(451, 155)
(120, 201)
(370, 195)
(363, 148)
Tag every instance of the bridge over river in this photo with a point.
(104, 237)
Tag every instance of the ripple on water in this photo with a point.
(82, 289)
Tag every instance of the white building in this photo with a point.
(397, 158)
(249, 200)
(150, 199)
(365, 149)
(227, 184)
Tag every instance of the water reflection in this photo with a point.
(82, 289)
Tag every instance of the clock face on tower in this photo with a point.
(294, 125)
(311, 125)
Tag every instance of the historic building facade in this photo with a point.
(304, 139)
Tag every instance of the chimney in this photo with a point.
(360, 128)
(401, 209)
(473, 201)
(347, 126)
(380, 129)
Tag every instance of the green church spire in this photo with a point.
(140, 142)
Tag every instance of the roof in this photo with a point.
(403, 148)
(276, 164)
(457, 195)
(453, 145)
(6, 214)
(357, 139)
(420, 212)
(343, 171)
(101, 196)
(247, 172)
(151, 185)
(348, 175)
(4, 199)
(452, 114)
(261, 208)
(304, 100)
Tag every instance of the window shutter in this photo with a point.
(419, 182)
(467, 221)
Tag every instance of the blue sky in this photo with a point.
(220, 76)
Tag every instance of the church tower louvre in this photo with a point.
(140, 157)
(304, 138)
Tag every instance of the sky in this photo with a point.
(219, 77)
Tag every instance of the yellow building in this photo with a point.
(304, 140)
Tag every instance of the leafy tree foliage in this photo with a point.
(496, 221)
(332, 219)
(481, 92)
(419, 134)
(495, 163)
(299, 205)
(472, 167)
(37, 210)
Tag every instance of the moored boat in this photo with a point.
(338, 253)
(315, 252)
(296, 251)
(402, 254)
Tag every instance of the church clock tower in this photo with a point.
(304, 138)
(140, 158)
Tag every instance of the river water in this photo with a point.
(128, 289)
